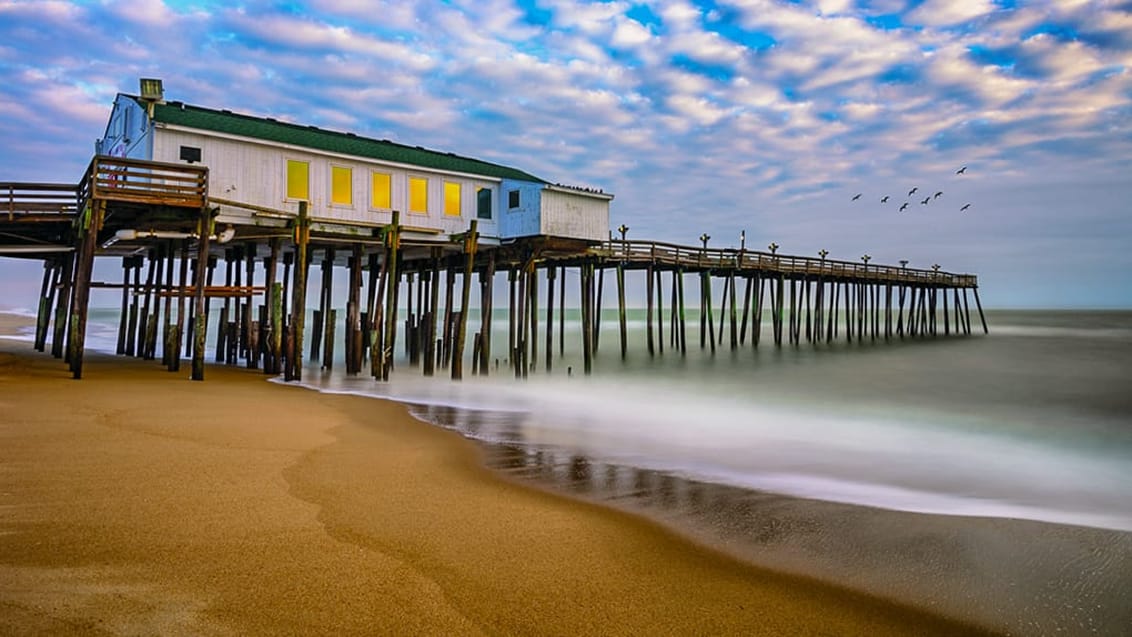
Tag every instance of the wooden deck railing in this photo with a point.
(37, 201)
(675, 255)
(144, 182)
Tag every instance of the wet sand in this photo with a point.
(137, 501)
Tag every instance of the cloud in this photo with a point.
(942, 13)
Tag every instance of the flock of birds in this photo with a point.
(925, 201)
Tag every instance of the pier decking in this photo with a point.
(159, 217)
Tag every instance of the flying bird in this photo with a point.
(961, 171)
(856, 196)
(884, 199)
(926, 200)
(903, 207)
(938, 195)
(912, 191)
(964, 207)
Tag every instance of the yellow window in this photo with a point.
(418, 194)
(382, 196)
(451, 199)
(298, 179)
(341, 185)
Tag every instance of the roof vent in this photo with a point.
(152, 90)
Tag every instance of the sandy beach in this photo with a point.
(136, 501)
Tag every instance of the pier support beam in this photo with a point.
(92, 223)
(200, 330)
(471, 241)
(302, 239)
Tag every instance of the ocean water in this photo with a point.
(984, 476)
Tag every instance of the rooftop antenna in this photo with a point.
(152, 92)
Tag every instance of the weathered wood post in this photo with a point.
(302, 239)
(562, 314)
(46, 294)
(659, 311)
(222, 333)
(429, 338)
(649, 309)
(683, 316)
(586, 280)
(512, 313)
(471, 240)
(760, 301)
(746, 310)
(182, 309)
(518, 355)
(487, 284)
(248, 328)
(621, 308)
(549, 317)
(392, 244)
(733, 316)
(979, 305)
(63, 305)
(595, 307)
(532, 316)
(123, 314)
(91, 224)
(353, 330)
(200, 331)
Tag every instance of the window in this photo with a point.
(298, 179)
(418, 195)
(483, 203)
(382, 194)
(190, 154)
(512, 198)
(341, 185)
(451, 199)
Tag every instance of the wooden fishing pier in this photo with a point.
(160, 221)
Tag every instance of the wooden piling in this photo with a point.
(621, 309)
(532, 317)
(353, 345)
(43, 316)
(63, 305)
(182, 310)
(586, 284)
(549, 317)
(428, 367)
(680, 300)
(518, 354)
(759, 300)
(470, 243)
(562, 314)
(249, 329)
(123, 314)
(595, 314)
(659, 311)
(979, 305)
(301, 240)
(733, 316)
(92, 223)
(200, 332)
(487, 305)
(392, 245)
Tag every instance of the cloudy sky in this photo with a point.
(712, 116)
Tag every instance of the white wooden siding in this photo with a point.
(255, 172)
(579, 216)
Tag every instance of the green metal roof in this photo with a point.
(179, 114)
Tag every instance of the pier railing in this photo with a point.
(144, 182)
(691, 257)
(37, 201)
